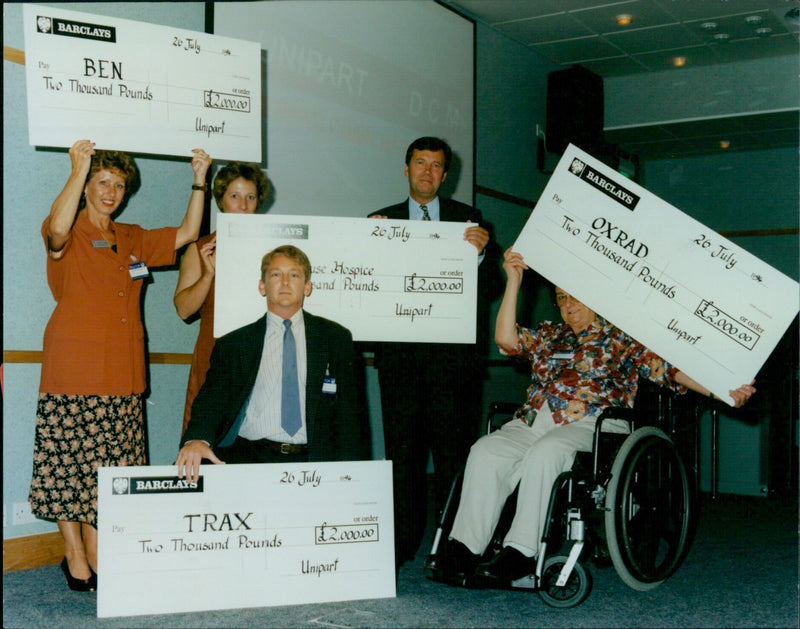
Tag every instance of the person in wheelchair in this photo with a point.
(578, 368)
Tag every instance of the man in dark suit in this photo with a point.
(430, 392)
(256, 408)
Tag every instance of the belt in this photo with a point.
(285, 448)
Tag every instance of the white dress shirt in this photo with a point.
(415, 214)
(263, 417)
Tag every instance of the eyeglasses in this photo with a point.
(562, 298)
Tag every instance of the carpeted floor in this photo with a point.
(742, 571)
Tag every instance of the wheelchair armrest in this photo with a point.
(499, 408)
(618, 412)
(503, 408)
(611, 412)
(614, 412)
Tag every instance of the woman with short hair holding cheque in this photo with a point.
(89, 412)
(239, 188)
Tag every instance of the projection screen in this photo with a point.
(349, 84)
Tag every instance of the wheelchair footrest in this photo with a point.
(527, 582)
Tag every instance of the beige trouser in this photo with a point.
(531, 456)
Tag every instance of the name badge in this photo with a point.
(563, 355)
(138, 270)
(100, 244)
(329, 385)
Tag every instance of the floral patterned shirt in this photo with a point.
(581, 374)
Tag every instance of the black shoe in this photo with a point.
(432, 562)
(435, 561)
(601, 558)
(78, 585)
(457, 561)
(506, 566)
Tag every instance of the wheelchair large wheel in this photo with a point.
(573, 592)
(648, 509)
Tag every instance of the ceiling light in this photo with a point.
(623, 19)
(723, 144)
(708, 26)
(679, 62)
(721, 37)
(764, 31)
(754, 19)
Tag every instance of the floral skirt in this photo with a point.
(76, 434)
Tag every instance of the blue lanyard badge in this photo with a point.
(328, 383)
(138, 270)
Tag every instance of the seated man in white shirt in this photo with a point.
(261, 404)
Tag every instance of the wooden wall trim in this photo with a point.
(504, 196)
(22, 356)
(15, 55)
(34, 551)
(170, 358)
(156, 358)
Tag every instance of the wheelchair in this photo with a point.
(627, 503)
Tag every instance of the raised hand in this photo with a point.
(81, 155)
(200, 164)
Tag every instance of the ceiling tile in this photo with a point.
(702, 9)
(547, 28)
(576, 50)
(579, 5)
(615, 66)
(695, 56)
(602, 19)
(739, 27)
(498, 11)
(653, 39)
(757, 48)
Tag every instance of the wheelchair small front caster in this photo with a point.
(573, 592)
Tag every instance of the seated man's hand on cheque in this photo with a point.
(190, 456)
